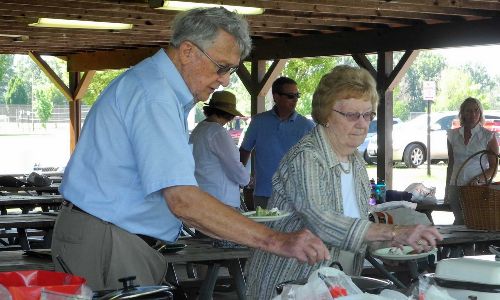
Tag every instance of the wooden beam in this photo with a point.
(60, 85)
(115, 59)
(400, 70)
(274, 70)
(83, 85)
(470, 33)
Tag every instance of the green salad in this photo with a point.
(262, 212)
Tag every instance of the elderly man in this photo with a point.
(271, 134)
(131, 178)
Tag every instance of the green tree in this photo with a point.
(308, 72)
(5, 72)
(454, 86)
(427, 66)
(16, 92)
(44, 104)
(99, 82)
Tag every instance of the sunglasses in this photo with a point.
(354, 116)
(290, 96)
(221, 69)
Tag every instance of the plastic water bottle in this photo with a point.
(380, 189)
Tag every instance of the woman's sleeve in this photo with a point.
(314, 189)
(224, 148)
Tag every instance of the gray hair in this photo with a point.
(343, 82)
(201, 26)
(462, 109)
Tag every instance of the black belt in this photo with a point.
(147, 239)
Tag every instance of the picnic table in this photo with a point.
(29, 202)
(200, 250)
(427, 209)
(197, 251)
(31, 190)
(22, 222)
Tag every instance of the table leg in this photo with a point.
(171, 275)
(207, 287)
(23, 239)
(236, 273)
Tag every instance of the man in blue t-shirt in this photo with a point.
(130, 180)
(271, 134)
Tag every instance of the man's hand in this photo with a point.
(302, 245)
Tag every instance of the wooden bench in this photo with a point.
(18, 260)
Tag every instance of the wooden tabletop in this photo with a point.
(52, 189)
(17, 200)
(459, 234)
(38, 221)
(198, 250)
(17, 261)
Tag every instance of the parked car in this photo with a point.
(372, 130)
(410, 138)
(236, 126)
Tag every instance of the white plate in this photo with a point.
(251, 215)
(386, 254)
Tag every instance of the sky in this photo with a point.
(489, 56)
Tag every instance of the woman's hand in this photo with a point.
(419, 237)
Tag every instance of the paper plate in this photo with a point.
(251, 215)
(392, 254)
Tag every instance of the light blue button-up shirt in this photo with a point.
(271, 138)
(133, 144)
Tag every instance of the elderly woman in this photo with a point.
(464, 141)
(323, 182)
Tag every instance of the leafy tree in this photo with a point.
(308, 72)
(44, 104)
(99, 82)
(455, 86)
(16, 92)
(5, 72)
(427, 66)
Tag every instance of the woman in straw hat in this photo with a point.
(218, 170)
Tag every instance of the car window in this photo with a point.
(446, 122)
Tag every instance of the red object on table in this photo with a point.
(28, 285)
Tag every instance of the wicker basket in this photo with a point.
(480, 203)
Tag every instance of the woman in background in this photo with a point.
(464, 141)
(218, 169)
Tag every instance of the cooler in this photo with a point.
(470, 277)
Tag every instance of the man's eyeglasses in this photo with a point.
(354, 116)
(221, 70)
(290, 96)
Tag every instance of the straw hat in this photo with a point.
(225, 101)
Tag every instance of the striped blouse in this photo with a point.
(307, 184)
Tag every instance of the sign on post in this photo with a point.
(429, 90)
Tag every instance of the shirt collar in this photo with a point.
(473, 131)
(175, 80)
(292, 117)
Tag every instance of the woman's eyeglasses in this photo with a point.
(354, 116)
(221, 69)
(290, 96)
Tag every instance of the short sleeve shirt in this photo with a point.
(478, 142)
(133, 144)
(271, 138)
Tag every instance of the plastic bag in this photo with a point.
(39, 284)
(421, 193)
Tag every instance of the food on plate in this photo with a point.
(398, 251)
(263, 212)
